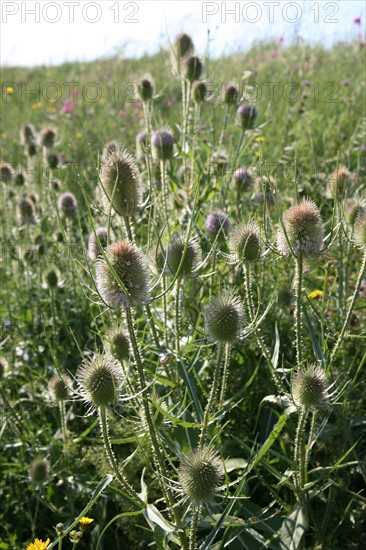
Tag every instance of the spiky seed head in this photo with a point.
(265, 189)
(19, 179)
(131, 268)
(242, 179)
(47, 137)
(59, 388)
(31, 149)
(121, 182)
(4, 366)
(28, 135)
(217, 224)
(52, 277)
(360, 228)
(224, 317)
(146, 88)
(220, 162)
(199, 91)
(94, 249)
(25, 210)
(245, 242)
(7, 172)
(309, 387)
(303, 226)
(52, 161)
(339, 183)
(118, 344)
(230, 94)
(183, 44)
(67, 204)
(109, 148)
(39, 470)
(100, 379)
(352, 208)
(246, 116)
(192, 67)
(191, 257)
(162, 144)
(201, 474)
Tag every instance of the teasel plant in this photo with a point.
(123, 281)
(245, 246)
(301, 236)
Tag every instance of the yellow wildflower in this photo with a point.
(84, 521)
(259, 154)
(315, 294)
(259, 139)
(10, 90)
(38, 544)
(79, 135)
(37, 105)
(51, 109)
(102, 100)
(53, 99)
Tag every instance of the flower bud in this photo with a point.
(146, 88)
(25, 211)
(162, 144)
(100, 379)
(200, 474)
(6, 172)
(360, 228)
(118, 344)
(230, 94)
(303, 225)
(59, 387)
(94, 249)
(309, 387)
(199, 91)
(192, 67)
(224, 317)
(47, 137)
(246, 116)
(245, 242)
(217, 224)
(190, 257)
(242, 179)
(339, 183)
(39, 469)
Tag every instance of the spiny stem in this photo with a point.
(298, 306)
(300, 453)
(126, 219)
(152, 325)
(193, 528)
(214, 388)
(164, 188)
(224, 126)
(260, 340)
(157, 453)
(177, 317)
(349, 312)
(103, 421)
(310, 438)
(225, 374)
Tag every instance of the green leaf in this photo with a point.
(293, 528)
(155, 516)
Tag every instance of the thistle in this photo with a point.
(352, 208)
(100, 379)
(59, 388)
(7, 172)
(39, 470)
(339, 183)
(182, 46)
(25, 211)
(245, 242)
(162, 144)
(118, 344)
(199, 91)
(242, 179)
(224, 317)
(28, 135)
(217, 224)
(360, 228)
(129, 266)
(52, 277)
(67, 204)
(47, 137)
(121, 182)
(201, 474)
(94, 250)
(146, 88)
(178, 253)
(109, 148)
(309, 387)
(192, 67)
(246, 116)
(265, 189)
(230, 94)
(303, 228)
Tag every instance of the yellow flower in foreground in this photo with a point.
(38, 544)
(84, 521)
(260, 139)
(315, 294)
(79, 135)
(10, 90)
(259, 154)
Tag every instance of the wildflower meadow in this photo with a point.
(183, 313)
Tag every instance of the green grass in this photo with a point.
(254, 430)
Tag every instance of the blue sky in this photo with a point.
(51, 32)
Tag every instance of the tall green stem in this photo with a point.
(298, 306)
(300, 455)
(213, 392)
(103, 420)
(350, 309)
(225, 375)
(193, 528)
